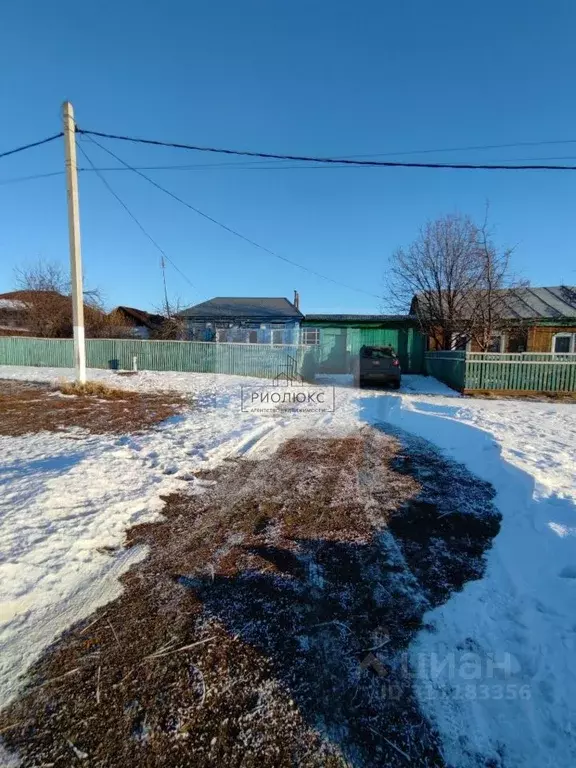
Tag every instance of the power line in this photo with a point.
(332, 160)
(163, 253)
(30, 146)
(229, 229)
(241, 166)
(17, 179)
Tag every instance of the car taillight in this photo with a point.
(396, 362)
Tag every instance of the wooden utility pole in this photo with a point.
(74, 235)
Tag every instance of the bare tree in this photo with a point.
(436, 275)
(43, 276)
(457, 282)
(493, 299)
(174, 325)
(45, 288)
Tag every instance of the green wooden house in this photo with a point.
(338, 339)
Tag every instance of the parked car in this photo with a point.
(378, 365)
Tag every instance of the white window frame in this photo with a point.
(502, 342)
(456, 337)
(563, 335)
(315, 332)
(281, 330)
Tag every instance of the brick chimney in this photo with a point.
(296, 301)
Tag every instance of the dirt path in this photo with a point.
(270, 624)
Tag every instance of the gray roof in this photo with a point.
(527, 303)
(249, 308)
(556, 302)
(358, 318)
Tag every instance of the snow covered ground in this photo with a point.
(507, 687)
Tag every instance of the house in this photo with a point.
(129, 321)
(247, 320)
(339, 338)
(532, 320)
(36, 313)
(13, 311)
(46, 314)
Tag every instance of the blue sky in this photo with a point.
(313, 77)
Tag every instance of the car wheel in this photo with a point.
(396, 385)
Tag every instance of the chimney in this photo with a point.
(296, 301)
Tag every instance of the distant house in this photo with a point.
(129, 321)
(38, 313)
(533, 320)
(247, 320)
(13, 314)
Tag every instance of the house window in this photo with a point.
(253, 337)
(459, 341)
(496, 343)
(277, 337)
(564, 343)
(310, 336)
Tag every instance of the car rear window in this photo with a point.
(377, 352)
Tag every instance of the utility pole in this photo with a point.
(74, 236)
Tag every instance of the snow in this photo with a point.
(66, 497)
(521, 614)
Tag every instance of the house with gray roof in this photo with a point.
(251, 320)
(536, 320)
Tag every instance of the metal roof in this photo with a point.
(359, 318)
(556, 302)
(141, 317)
(233, 307)
(527, 303)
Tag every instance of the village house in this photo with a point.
(128, 321)
(13, 313)
(531, 319)
(246, 320)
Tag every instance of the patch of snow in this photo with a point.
(67, 499)
(63, 501)
(514, 700)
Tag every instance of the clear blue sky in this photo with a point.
(306, 76)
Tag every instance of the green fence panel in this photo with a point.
(339, 346)
(449, 367)
(261, 360)
(530, 372)
(57, 353)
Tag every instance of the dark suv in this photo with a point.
(378, 365)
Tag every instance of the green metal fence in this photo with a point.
(203, 357)
(340, 346)
(449, 367)
(537, 372)
(529, 371)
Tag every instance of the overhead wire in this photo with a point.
(30, 146)
(241, 166)
(232, 231)
(17, 179)
(329, 160)
(136, 221)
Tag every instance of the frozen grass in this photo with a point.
(94, 389)
(95, 407)
(271, 612)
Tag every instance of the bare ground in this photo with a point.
(27, 407)
(270, 622)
